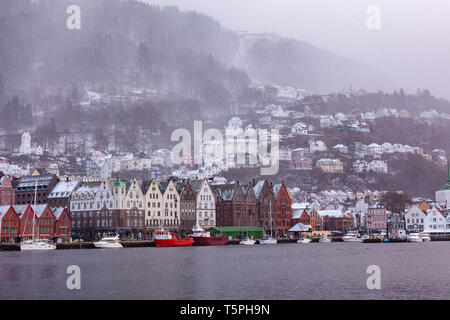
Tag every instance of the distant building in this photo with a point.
(358, 149)
(317, 146)
(330, 165)
(25, 146)
(376, 218)
(378, 166)
(415, 219)
(341, 148)
(101, 170)
(303, 163)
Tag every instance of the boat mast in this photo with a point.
(271, 232)
(34, 214)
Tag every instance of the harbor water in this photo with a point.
(284, 271)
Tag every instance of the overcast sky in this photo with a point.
(412, 46)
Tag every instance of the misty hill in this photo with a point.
(272, 59)
(128, 44)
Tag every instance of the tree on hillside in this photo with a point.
(395, 201)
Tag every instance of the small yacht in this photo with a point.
(351, 236)
(425, 236)
(267, 240)
(110, 242)
(324, 239)
(414, 237)
(36, 245)
(303, 240)
(364, 237)
(247, 241)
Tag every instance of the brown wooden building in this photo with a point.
(236, 205)
(265, 204)
(187, 207)
(42, 185)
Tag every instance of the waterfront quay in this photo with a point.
(150, 243)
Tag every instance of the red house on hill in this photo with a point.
(9, 224)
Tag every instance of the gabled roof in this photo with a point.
(63, 189)
(57, 212)
(226, 191)
(3, 210)
(258, 188)
(163, 186)
(196, 185)
(20, 209)
(300, 227)
(180, 185)
(38, 209)
(276, 190)
(145, 185)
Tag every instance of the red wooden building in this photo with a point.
(41, 216)
(9, 224)
(7, 193)
(63, 224)
(283, 211)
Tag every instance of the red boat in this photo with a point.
(164, 238)
(204, 238)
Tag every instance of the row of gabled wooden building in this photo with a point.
(18, 222)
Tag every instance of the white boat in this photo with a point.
(303, 240)
(247, 241)
(351, 236)
(425, 236)
(324, 240)
(414, 237)
(35, 244)
(268, 240)
(364, 237)
(112, 242)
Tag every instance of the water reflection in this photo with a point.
(286, 271)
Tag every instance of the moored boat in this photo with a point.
(267, 240)
(163, 238)
(351, 236)
(36, 245)
(207, 238)
(324, 239)
(425, 236)
(414, 237)
(111, 242)
(247, 241)
(304, 240)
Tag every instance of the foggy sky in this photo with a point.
(412, 46)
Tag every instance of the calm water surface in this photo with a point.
(284, 271)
